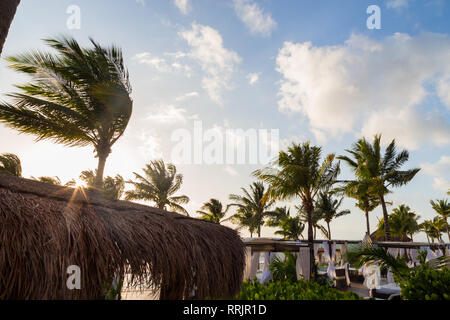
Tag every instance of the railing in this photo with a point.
(280, 245)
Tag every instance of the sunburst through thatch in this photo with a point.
(46, 228)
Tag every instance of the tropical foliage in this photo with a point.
(376, 173)
(327, 208)
(289, 290)
(213, 211)
(159, 184)
(56, 181)
(427, 281)
(254, 203)
(291, 228)
(434, 228)
(284, 268)
(403, 222)
(364, 200)
(112, 187)
(300, 173)
(10, 164)
(442, 208)
(77, 96)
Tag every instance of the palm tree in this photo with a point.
(55, 180)
(244, 218)
(315, 219)
(403, 222)
(159, 184)
(378, 172)
(291, 228)
(213, 211)
(277, 216)
(112, 187)
(10, 164)
(299, 173)
(442, 208)
(7, 11)
(364, 201)
(328, 209)
(433, 228)
(77, 97)
(255, 202)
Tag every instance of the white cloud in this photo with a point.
(149, 146)
(394, 4)
(168, 114)
(161, 64)
(408, 127)
(187, 96)
(230, 171)
(440, 171)
(367, 85)
(141, 2)
(253, 78)
(253, 16)
(217, 62)
(443, 90)
(147, 58)
(183, 6)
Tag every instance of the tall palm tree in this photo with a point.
(213, 211)
(7, 11)
(10, 164)
(442, 208)
(77, 97)
(379, 172)
(328, 209)
(255, 202)
(159, 184)
(403, 222)
(299, 173)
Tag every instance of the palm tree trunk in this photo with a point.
(386, 219)
(448, 232)
(309, 210)
(367, 222)
(329, 231)
(428, 239)
(7, 11)
(98, 183)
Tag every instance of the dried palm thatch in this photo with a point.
(46, 228)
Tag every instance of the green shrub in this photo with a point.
(284, 269)
(288, 290)
(425, 283)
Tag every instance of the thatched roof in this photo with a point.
(46, 228)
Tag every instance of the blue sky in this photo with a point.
(311, 69)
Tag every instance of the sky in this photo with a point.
(312, 70)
